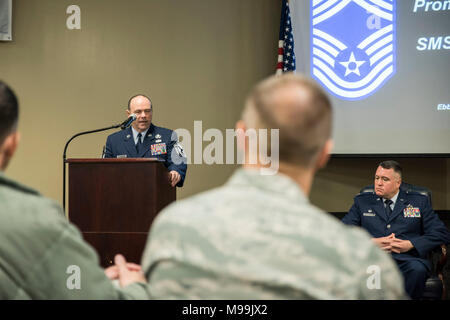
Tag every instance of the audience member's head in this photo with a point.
(301, 111)
(9, 115)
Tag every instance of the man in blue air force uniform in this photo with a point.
(402, 223)
(145, 140)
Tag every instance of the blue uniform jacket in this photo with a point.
(412, 219)
(160, 143)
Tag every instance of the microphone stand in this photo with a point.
(65, 149)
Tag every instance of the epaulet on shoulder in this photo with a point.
(365, 194)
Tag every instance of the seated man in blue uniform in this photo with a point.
(145, 140)
(402, 223)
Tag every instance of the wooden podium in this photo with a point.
(114, 201)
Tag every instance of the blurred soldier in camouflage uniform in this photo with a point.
(42, 255)
(258, 236)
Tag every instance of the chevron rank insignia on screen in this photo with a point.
(353, 48)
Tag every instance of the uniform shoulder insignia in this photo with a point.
(161, 130)
(364, 194)
(179, 149)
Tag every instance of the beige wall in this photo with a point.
(195, 58)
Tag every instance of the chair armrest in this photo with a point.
(442, 261)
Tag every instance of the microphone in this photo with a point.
(128, 122)
(122, 126)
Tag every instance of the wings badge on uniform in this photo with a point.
(353, 50)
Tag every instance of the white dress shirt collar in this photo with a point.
(394, 199)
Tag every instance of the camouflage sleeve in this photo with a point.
(380, 278)
(134, 291)
(63, 265)
(70, 269)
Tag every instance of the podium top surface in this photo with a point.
(113, 160)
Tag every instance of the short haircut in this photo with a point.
(140, 95)
(304, 120)
(391, 164)
(9, 111)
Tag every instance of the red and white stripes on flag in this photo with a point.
(286, 56)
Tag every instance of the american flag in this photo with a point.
(286, 56)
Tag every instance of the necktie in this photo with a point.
(388, 207)
(139, 143)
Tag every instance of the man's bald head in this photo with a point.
(296, 106)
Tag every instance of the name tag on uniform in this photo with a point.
(369, 214)
(411, 212)
(121, 156)
(157, 149)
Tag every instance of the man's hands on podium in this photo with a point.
(174, 178)
(126, 272)
(393, 244)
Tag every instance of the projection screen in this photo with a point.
(386, 66)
